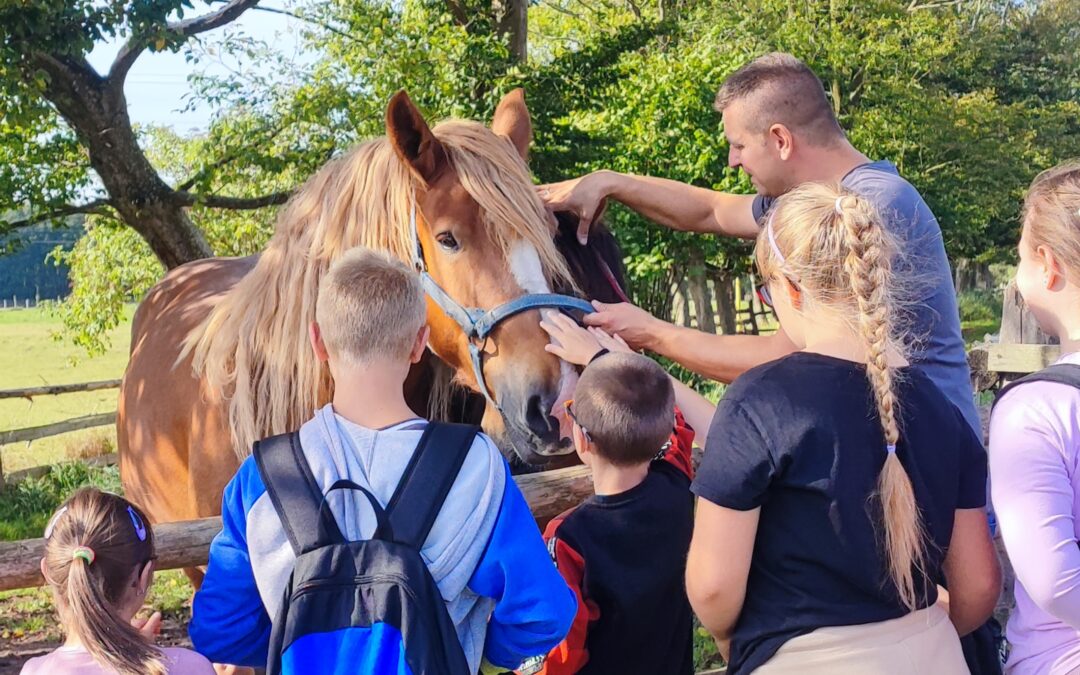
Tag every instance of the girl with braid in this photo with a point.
(840, 488)
(99, 562)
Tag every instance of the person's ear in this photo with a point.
(581, 444)
(1052, 275)
(317, 344)
(44, 569)
(420, 344)
(794, 294)
(146, 577)
(779, 136)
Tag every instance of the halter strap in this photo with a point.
(476, 323)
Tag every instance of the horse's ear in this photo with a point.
(512, 120)
(412, 138)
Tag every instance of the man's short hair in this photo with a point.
(627, 405)
(781, 89)
(370, 305)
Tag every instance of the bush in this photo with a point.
(980, 305)
(26, 506)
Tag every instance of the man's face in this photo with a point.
(750, 150)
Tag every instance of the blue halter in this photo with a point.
(477, 323)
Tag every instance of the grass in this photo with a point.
(29, 356)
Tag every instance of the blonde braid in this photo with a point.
(868, 266)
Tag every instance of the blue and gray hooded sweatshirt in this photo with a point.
(504, 595)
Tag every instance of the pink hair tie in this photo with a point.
(84, 552)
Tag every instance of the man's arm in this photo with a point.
(719, 357)
(670, 203)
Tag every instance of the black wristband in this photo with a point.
(598, 355)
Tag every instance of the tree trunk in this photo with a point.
(97, 110)
(724, 285)
(680, 305)
(513, 25)
(699, 293)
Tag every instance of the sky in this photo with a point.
(157, 84)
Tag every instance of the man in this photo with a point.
(782, 132)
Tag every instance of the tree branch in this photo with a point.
(234, 203)
(313, 22)
(96, 207)
(186, 28)
(209, 168)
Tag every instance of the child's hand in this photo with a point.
(612, 343)
(569, 341)
(150, 627)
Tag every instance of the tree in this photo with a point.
(59, 113)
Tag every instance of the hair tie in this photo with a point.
(84, 552)
(890, 449)
(772, 238)
(838, 205)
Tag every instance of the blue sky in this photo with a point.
(157, 84)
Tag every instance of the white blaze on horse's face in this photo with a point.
(529, 274)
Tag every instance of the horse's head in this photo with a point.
(486, 240)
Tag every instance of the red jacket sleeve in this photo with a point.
(570, 655)
(680, 453)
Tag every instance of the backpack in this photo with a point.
(1062, 373)
(367, 606)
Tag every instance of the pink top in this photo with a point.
(1035, 489)
(77, 661)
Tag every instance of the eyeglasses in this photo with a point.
(574, 419)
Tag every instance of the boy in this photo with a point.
(504, 597)
(623, 551)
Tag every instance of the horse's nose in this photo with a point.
(539, 420)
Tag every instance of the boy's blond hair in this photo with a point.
(626, 404)
(370, 306)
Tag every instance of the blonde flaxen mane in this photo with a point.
(253, 347)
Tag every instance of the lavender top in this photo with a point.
(77, 661)
(1035, 487)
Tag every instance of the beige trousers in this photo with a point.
(923, 642)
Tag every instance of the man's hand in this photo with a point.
(585, 197)
(633, 324)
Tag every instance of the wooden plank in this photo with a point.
(109, 459)
(1018, 324)
(53, 389)
(187, 543)
(46, 430)
(1020, 358)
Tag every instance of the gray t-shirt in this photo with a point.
(937, 347)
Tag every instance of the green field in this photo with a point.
(29, 356)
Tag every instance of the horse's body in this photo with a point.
(208, 339)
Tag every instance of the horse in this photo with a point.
(219, 355)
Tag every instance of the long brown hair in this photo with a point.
(94, 544)
(834, 245)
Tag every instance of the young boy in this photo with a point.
(623, 551)
(484, 552)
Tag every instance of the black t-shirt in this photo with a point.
(624, 556)
(800, 437)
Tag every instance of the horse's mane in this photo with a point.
(252, 349)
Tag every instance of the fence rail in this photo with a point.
(54, 389)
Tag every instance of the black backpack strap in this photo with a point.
(427, 480)
(296, 496)
(1062, 373)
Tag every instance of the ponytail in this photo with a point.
(868, 265)
(94, 545)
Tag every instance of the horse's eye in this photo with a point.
(447, 241)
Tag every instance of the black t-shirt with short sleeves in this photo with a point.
(800, 437)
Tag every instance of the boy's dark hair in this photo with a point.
(782, 90)
(627, 405)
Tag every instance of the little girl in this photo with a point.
(99, 562)
(1035, 440)
(840, 486)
